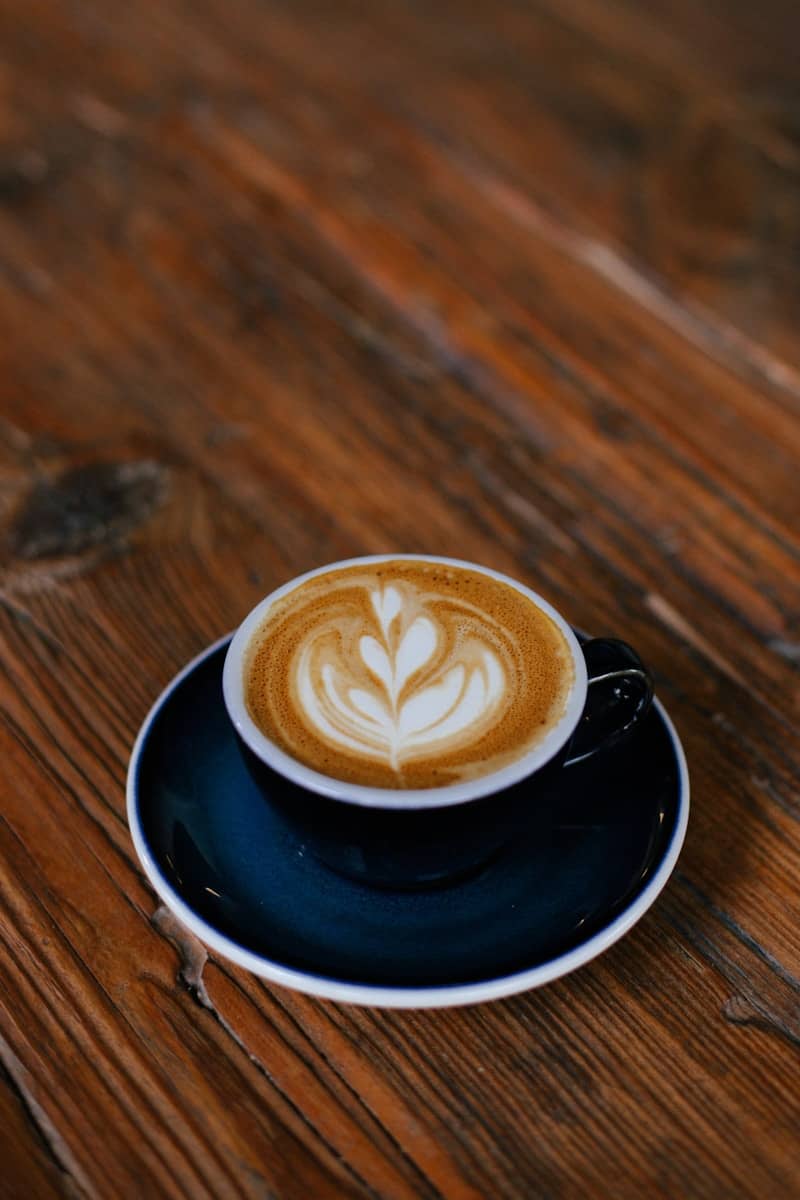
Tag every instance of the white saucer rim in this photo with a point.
(382, 996)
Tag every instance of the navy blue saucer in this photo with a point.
(596, 856)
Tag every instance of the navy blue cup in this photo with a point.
(403, 839)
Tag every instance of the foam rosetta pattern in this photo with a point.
(406, 674)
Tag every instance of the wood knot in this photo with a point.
(86, 507)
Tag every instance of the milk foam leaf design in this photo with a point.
(416, 648)
(429, 707)
(377, 660)
(387, 604)
(371, 707)
(393, 718)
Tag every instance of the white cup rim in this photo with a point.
(394, 798)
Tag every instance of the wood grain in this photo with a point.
(285, 282)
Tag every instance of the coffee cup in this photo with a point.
(405, 714)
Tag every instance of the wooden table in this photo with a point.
(285, 282)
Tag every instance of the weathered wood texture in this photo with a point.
(282, 282)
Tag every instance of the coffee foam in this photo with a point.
(406, 674)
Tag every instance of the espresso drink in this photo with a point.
(406, 674)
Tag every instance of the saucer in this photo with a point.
(224, 862)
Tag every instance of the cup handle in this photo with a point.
(618, 697)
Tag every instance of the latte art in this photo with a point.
(406, 674)
(407, 708)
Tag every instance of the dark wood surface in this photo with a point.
(284, 282)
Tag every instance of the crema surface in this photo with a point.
(406, 674)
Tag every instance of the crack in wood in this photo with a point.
(74, 1181)
(193, 957)
(741, 935)
(18, 613)
(745, 1012)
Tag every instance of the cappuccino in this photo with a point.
(406, 673)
